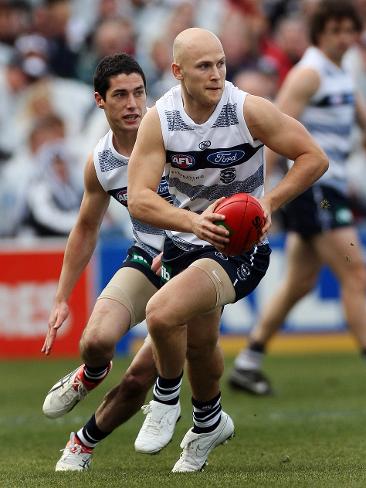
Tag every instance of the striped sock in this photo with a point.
(167, 390)
(206, 415)
(95, 375)
(90, 434)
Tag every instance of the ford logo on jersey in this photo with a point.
(224, 158)
(183, 161)
(163, 187)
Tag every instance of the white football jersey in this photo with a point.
(211, 160)
(111, 169)
(330, 115)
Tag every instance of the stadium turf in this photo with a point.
(312, 433)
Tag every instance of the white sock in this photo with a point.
(248, 359)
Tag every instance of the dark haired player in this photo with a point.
(119, 85)
(320, 93)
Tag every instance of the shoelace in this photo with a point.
(150, 424)
(69, 393)
(146, 409)
(187, 456)
(82, 391)
(74, 448)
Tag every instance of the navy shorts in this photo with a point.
(139, 259)
(245, 271)
(317, 210)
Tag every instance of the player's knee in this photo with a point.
(158, 318)
(96, 345)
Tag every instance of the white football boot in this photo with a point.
(75, 457)
(197, 447)
(68, 392)
(158, 428)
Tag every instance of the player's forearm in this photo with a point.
(79, 249)
(306, 170)
(154, 210)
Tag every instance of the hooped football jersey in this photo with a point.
(211, 160)
(330, 115)
(111, 169)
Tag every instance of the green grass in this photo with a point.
(312, 433)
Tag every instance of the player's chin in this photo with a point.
(214, 95)
(133, 126)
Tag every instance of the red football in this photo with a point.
(244, 219)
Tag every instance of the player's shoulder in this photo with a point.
(303, 79)
(170, 98)
(104, 141)
(312, 64)
(256, 107)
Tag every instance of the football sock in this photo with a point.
(257, 346)
(90, 434)
(251, 357)
(206, 415)
(95, 375)
(167, 390)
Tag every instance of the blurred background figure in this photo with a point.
(53, 20)
(17, 173)
(54, 192)
(15, 19)
(111, 36)
(321, 230)
(260, 81)
(287, 45)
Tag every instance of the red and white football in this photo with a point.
(244, 219)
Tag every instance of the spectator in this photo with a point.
(54, 193)
(19, 170)
(160, 77)
(259, 82)
(15, 78)
(15, 20)
(111, 36)
(288, 45)
(239, 43)
(52, 19)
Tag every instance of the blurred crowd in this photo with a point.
(48, 119)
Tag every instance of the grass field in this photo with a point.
(312, 433)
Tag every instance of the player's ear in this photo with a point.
(177, 71)
(99, 100)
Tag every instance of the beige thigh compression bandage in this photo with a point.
(131, 288)
(225, 292)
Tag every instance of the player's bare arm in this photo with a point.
(360, 106)
(145, 168)
(79, 249)
(298, 88)
(285, 136)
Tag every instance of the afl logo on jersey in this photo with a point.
(204, 145)
(183, 161)
(225, 158)
(121, 196)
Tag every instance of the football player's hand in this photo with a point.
(267, 215)
(156, 264)
(58, 315)
(205, 227)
